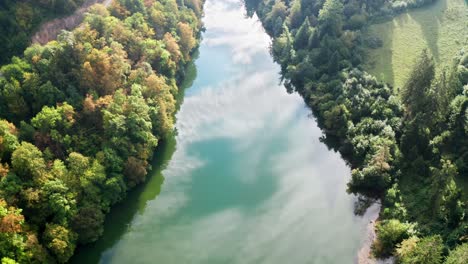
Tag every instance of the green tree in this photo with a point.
(303, 34)
(6, 260)
(54, 125)
(8, 139)
(331, 17)
(12, 241)
(60, 240)
(58, 118)
(278, 12)
(389, 234)
(28, 163)
(427, 250)
(88, 109)
(295, 14)
(459, 255)
(88, 223)
(416, 92)
(440, 181)
(60, 203)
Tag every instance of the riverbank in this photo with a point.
(85, 116)
(398, 147)
(364, 255)
(249, 181)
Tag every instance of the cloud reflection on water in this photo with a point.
(227, 26)
(306, 216)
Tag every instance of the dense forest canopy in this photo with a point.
(409, 149)
(80, 118)
(20, 18)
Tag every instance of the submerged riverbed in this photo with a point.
(246, 179)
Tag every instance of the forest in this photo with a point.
(409, 148)
(81, 116)
(19, 19)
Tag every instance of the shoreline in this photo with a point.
(364, 254)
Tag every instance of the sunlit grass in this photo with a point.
(441, 27)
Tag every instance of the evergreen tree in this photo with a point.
(416, 92)
(302, 36)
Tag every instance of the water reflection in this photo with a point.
(249, 181)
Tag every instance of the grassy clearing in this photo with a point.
(441, 27)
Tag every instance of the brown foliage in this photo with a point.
(135, 171)
(187, 40)
(172, 47)
(102, 72)
(118, 10)
(89, 106)
(32, 197)
(4, 169)
(12, 221)
(149, 3)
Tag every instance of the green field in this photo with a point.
(441, 27)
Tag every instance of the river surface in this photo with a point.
(245, 179)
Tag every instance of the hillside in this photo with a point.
(80, 118)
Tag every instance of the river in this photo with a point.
(245, 179)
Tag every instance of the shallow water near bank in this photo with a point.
(245, 179)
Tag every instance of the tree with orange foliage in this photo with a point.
(173, 47)
(187, 40)
(103, 72)
(12, 240)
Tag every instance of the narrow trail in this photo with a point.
(50, 30)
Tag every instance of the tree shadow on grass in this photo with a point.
(380, 60)
(429, 18)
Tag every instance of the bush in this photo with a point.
(389, 234)
(427, 250)
(459, 255)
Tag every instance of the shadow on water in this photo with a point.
(189, 77)
(121, 215)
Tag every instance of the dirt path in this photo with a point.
(364, 255)
(50, 30)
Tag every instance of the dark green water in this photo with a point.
(246, 179)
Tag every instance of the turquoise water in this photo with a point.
(245, 179)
